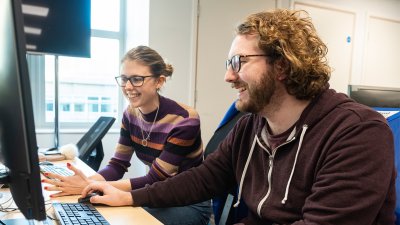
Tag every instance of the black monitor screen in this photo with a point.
(59, 27)
(18, 148)
(90, 145)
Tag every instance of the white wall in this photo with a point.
(216, 24)
(339, 37)
(172, 32)
(194, 47)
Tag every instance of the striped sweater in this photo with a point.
(174, 146)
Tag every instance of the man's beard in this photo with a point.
(260, 94)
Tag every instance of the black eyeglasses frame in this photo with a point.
(120, 83)
(235, 61)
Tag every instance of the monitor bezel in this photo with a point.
(18, 145)
(374, 96)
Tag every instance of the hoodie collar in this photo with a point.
(320, 106)
(256, 141)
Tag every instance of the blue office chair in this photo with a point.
(394, 123)
(224, 213)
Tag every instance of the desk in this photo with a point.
(114, 215)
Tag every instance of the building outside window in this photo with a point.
(86, 86)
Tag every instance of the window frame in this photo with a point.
(36, 66)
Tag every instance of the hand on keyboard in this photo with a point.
(48, 167)
(67, 185)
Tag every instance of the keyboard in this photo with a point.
(78, 213)
(44, 168)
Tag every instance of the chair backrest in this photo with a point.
(221, 132)
(393, 117)
(394, 123)
(222, 204)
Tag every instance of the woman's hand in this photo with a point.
(110, 195)
(67, 185)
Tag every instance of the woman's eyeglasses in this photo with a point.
(136, 80)
(236, 61)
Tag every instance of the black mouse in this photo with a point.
(86, 200)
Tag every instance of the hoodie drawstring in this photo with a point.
(256, 140)
(303, 132)
(244, 172)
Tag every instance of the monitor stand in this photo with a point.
(95, 157)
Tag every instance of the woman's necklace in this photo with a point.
(145, 140)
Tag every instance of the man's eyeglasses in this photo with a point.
(235, 62)
(135, 80)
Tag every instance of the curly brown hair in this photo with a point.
(290, 36)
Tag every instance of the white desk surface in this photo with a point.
(114, 215)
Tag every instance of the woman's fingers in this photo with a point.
(69, 186)
(58, 194)
(92, 187)
(66, 185)
(76, 171)
(50, 180)
(53, 176)
(73, 168)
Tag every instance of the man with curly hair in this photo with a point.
(304, 154)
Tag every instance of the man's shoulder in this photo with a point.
(362, 112)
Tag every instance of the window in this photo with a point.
(79, 107)
(65, 107)
(86, 86)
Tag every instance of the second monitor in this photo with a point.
(90, 146)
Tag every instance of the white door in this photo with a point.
(381, 64)
(336, 28)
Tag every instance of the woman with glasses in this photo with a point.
(164, 134)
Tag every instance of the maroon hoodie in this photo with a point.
(336, 167)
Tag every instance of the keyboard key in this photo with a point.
(78, 213)
(56, 169)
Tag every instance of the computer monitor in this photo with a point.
(18, 147)
(90, 146)
(375, 96)
(64, 27)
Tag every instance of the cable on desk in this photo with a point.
(7, 208)
(48, 202)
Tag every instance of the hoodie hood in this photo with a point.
(317, 109)
(321, 105)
